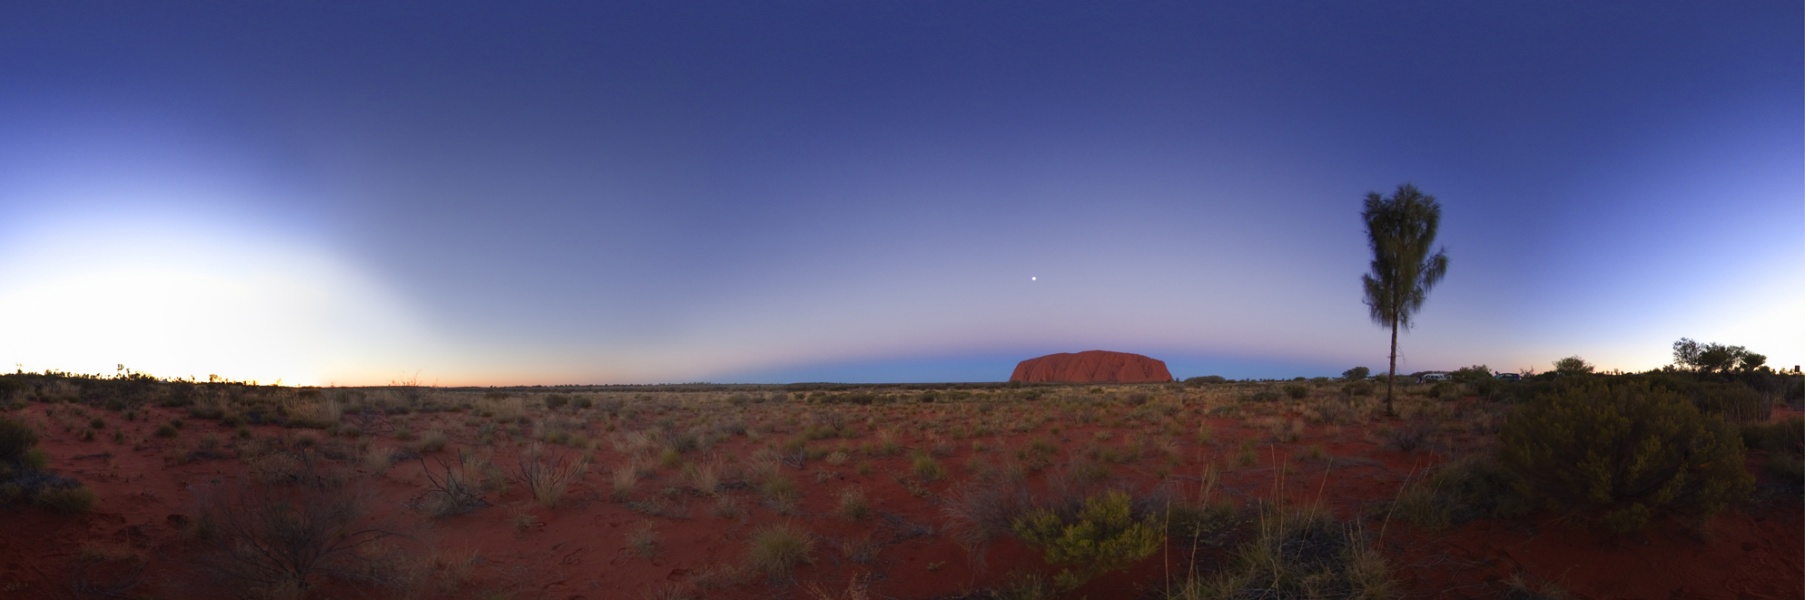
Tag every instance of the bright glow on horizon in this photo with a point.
(181, 301)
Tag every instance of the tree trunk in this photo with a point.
(1391, 379)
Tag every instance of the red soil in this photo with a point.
(581, 548)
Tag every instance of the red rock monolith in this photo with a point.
(1092, 366)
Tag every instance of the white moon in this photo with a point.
(1033, 279)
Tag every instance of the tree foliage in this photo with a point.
(1400, 230)
(1572, 365)
(1715, 359)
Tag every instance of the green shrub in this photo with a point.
(1625, 451)
(15, 439)
(1104, 536)
(1197, 381)
(1786, 435)
(1735, 402)
(1264, 396)
(1296, 391)
(1462, 490)
(165, 431)
(1356, 374)
(1444, 389)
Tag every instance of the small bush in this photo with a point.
(1356, 374)
(1206, 379)
(166, 431)
(853, 505)
(927, 468)
(15, 439)
(1786, 435)
(1444, 390)
(66, 500)
(1357, 388)
(776, 550)
(1296, 391)
(546, 477)
(1626, 451)
(1735, 402)
(1459, 491)
(431, 441)
(1104, 536)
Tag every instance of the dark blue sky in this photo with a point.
(643, 192)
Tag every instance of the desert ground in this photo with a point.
(1183, 490)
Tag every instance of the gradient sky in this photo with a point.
(543, 193)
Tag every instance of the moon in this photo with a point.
(1033, 278)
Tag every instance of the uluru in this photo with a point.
(1092, 366)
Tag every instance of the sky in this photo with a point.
(479, 193)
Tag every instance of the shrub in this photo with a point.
(1197, 381)
(1357, 388)
(1104, 536)
(451, 492)
(1298, 555)
(432, 441)
(1444, 389)
(1296, 391)
(1786, 435)
(853, 505)
(166, 431)
(66, 500)
(1735, 402)
(1356, 374)
(1626, 451)
(777, 549)
(276, 539)
(15, 439)
(1462, 490)
(980, 510)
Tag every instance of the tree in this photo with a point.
(1356, 373)
(1715, 358)
(1572, 365)
(1400, 231)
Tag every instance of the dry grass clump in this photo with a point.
(853, 505)
(1297, 554)
(703, 477)
(925, 467)
(547, 475)
(776, 550)
(623, 479)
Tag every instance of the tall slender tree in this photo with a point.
(1400, 230)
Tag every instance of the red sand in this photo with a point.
(581, 549)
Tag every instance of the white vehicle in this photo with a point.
(1432, 377)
